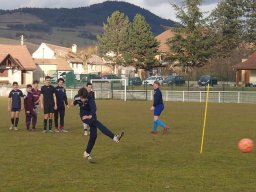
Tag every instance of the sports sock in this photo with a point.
(16, 122)
(45, 124)
(12, 120)
(50, 124)
(155, 125)
(161, 123)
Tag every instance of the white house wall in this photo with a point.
(15, 76)
(29, 77)
(252, 77)
(43, 52)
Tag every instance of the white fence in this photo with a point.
(182, 96)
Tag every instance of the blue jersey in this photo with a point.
(158, 99)
(61, 97)
(15, 96)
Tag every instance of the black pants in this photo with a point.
(59, 112)
(94, 124)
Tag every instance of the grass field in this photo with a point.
(33, 161)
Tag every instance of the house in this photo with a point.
(246, 71)
(16, 64)
(51, 58)
(96, 64)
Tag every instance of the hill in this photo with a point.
(66, 26)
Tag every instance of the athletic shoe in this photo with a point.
(44, 131)
(88, 157)
(50, 131)
(57, 130)
(165, 131)
(117, 138)
(11, 127)
(154, 132)
(15, 129)
(63, 131)
(85, 132)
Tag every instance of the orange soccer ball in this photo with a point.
(245, 145)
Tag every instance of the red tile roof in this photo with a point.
(95, 60)
(62, 64)
(19, 53)
(249, 64)
(163, 38)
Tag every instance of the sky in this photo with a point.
(161, 8)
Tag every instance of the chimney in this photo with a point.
(22, 40)
(74, 48)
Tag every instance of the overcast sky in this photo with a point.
(161, 8)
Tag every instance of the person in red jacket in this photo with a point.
(29, 106)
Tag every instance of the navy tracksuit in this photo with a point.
(89, 108)
(61, 97)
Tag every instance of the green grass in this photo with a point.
(33, 161)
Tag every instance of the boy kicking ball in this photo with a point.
(158, 107)
(88, 115)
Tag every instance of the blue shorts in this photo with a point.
(158, 109)
(15, 110)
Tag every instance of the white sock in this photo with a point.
(85, 126)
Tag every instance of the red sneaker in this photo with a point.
(154, 132)
(165, 131)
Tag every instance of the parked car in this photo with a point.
(135, 81)
(110, 76)
(152, 79)
(88, 77)
(174, 80)
(207, 79)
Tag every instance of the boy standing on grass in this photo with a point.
(48, 102)
(158, 107)
(88, 115)
(36, 95)
(15, 105)
(62, 101)
(92, 95)
(29, 107)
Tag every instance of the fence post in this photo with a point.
(183, 96)
(166, 95)
(71, 93)
(238, 97)
(219, 97)
(200, 97)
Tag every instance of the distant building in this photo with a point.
(246, 71)
(16, 64)
(96, 64)
(52, 58)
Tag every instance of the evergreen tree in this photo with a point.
(142, 44)
(192, 45)
(250, 21)
(112, 43)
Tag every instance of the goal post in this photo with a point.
(108, 86)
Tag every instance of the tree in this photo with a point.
(112, 43)
(227, 24)
(142, 44)
(192, 45)
(249, 7)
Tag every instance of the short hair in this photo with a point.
(29, 86)
(157, 83)
(15, 83)
(47, 77)
(82, 92)
(61, 79)
(87, 84)
(35, 82)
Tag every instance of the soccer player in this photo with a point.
(15, 105)
(61, 97)
(29, 106)
(92, 95)
(48, 102)
(36, 95)
(158, 107)
(88, 115)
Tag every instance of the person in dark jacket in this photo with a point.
(88, 115)
(158, 107)
(29, 106)
(62, 101)
(15, 105)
